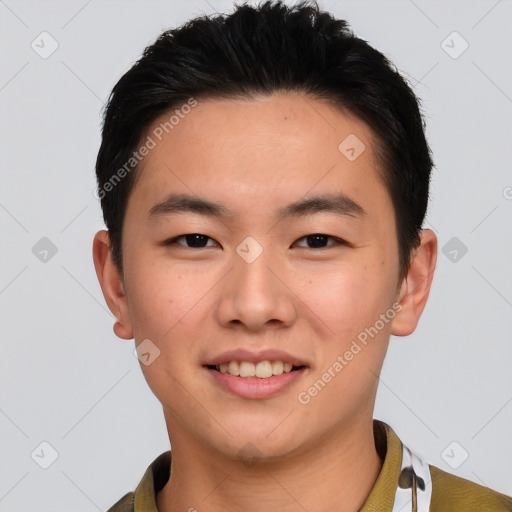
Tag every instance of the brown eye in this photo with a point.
(192, 240)
(319, 241)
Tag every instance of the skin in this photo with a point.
(255, 156)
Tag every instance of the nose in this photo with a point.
(256, 295)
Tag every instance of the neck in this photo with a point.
(337, 473)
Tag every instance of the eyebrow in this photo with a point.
(339, 204)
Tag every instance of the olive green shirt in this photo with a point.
(405, 484)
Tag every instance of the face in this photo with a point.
(251, 229)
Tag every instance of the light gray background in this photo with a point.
(67, 380)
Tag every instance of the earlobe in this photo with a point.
(111, 285)
(415, 288)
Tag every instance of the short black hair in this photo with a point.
(261, 50)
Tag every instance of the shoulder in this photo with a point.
(453, 493)
(125, 504)
(144, 497)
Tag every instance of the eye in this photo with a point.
(193, 240)
(319, 241)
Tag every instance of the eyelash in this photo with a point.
(338, 241)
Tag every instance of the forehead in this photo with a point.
(268, 149)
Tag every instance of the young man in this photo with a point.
(264, 178)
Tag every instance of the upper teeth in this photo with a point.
(263, 369)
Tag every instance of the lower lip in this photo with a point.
(254, 387)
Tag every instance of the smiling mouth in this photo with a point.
(261, 370)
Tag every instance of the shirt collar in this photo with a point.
(389, 447)
(380, 499)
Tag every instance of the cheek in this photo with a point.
(162, 310)
(159, 297)
(350, 298)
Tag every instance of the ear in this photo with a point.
(111, 285)
(415, 287)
